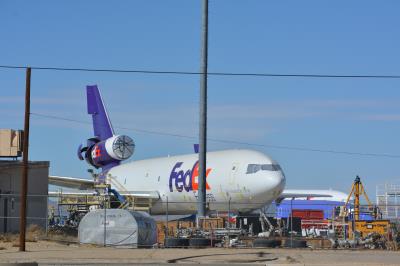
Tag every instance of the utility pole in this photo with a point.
(291, 222)
(24, 179)
(201, 200)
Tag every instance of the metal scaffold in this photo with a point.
(388, 200)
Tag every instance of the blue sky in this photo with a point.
(312, 37)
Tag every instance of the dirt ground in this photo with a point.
(51, 253)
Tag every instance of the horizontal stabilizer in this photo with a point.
(71, 182)
(137, 194)
(88, 187)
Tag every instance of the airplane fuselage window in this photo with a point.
(254, 168)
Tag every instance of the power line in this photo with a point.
(141, 71)
(281, 147)
(124, 128)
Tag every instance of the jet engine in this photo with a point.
(107, 152)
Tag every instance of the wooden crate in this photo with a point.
(172, 227)
(212, 223)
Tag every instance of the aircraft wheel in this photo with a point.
(199, 242)
(266, 243)
(295, 243)
(175, 242)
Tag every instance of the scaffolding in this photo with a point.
(388, 200)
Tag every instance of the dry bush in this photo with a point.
(62, 237)
(34, 233)
(8, 237)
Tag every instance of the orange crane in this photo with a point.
(357, 189)
(365, 227)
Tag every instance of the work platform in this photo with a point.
(83, 202)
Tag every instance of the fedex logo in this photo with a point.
(186, 180)
(96, 152)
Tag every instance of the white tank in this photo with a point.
(121, 228)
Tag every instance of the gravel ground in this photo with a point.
(51, 253)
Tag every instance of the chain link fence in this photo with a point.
(60, 217)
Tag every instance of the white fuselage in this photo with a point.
(229, 179)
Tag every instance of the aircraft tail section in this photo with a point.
(101, 123)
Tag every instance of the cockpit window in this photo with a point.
(254, 168)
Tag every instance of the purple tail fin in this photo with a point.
(101, 123)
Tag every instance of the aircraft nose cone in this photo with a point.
(279, 180)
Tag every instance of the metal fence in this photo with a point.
(58, 216)
(37, 214)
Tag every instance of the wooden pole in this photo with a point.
(24, 179)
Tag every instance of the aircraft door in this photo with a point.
(233, 174)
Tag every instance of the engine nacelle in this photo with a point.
(120, 147)
(107, 152)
